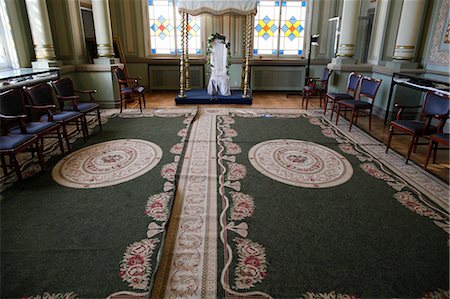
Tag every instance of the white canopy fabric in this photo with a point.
(217, 7)
(219, 83)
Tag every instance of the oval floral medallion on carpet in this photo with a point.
(300, 163)
(107, 163)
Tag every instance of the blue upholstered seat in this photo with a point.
(82, 107)
(416, 126)
(62, 116)
(34, 127)
(10, 142)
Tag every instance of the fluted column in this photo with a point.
(41, 31)
(349, 24)
(182, 93)
(409, 29)
(102, 25)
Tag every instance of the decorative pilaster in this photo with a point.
(186, 58)
(182, 58)
(349, 24)
(41, 33)
(103, 32)
(409, 29)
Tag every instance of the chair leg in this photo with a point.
(320, 99)
(325, 105)
(66, 136)
(140, 103)
(99, 120)
(307, 100)
(303, 98)
(430, 148)
(16, 168)
(143, 98)
(413, 142)
(337, 113)
(332, 109)
(391, 131)
(121, 101)
(4, 167)
(354, 116)
(435, 151)
(61, 145)
(84, 128)
(40, 156)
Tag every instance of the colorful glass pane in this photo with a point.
(162, 33)
(293, 18)
(266, 29)
(165, 29)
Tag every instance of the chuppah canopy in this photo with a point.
(217, 7)
(246, 8)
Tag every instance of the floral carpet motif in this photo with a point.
(300, 163)
(107, 163)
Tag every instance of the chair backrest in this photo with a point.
(63, 87)
(369, 88)
(436, 104)
(40, 94)
(218, 58)
(353, 82)
(121, 77)
(326, 73)
(12, 103)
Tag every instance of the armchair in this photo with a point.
(352, 87)
(317, 86)
(435, 139)
(41, 101)
(369, 89)
(126, 92)
(15, 120)
(11, 145)
(65, 93)
(434, 108)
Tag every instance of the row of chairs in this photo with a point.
(25, 123)
(432, 118)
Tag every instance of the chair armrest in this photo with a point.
(85, 90)
(12, 117)
(44, 107)
(73, 99)
(401, 108)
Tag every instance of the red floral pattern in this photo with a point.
(229, 132)
(329, 133)
(373, 170)
(177, 149)
(252, 263)
(227, 120)
(183, 132)
(169, 170)
(157, 206)
(243, 205)
(439, 294)
(408, 200)
(135, 267)
(315, 121)
(348, 149)
(236, 171)
(232, 148)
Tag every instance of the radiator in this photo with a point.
(286, 78)
(167, 77)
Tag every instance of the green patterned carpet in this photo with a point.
(93, 242)
(282, 204)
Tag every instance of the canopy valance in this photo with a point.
(217, 7)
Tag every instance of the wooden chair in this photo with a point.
(14, 119)
(352, 87)
(65, 92)
(41, 101)
(435, 139)
(317, 86)
(128, 92)
(369, 88)
(434, 108)
(11, 145)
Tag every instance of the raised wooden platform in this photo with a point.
(201, 96)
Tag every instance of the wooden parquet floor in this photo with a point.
(400, 144)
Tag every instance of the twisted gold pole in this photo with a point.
(247, 54)
(186, 58)
(244, 42)
(182, 61)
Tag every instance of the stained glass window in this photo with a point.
(280, 27)
(165, 28)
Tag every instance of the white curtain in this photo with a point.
(219, 83)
